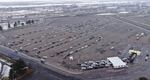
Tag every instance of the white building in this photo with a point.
(5, 25)
(117, 62)
(6, 70)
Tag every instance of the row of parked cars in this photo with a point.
(88, 65)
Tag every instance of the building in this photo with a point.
(4, 25)
(117, 62)
(5, 71)
(4, 68)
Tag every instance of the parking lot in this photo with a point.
(68, 41)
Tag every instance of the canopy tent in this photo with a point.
(135, 51)
(117, 62)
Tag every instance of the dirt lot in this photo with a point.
(85, 38)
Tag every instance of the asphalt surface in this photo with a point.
(40, 72)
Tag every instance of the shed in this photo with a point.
(117, 62)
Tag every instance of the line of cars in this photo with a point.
(89, 65)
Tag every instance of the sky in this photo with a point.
(34, 0)
(53, 0)
(14, 0)
(67, 0)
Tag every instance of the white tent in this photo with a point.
(117, 62)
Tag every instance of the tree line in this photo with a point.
(19, 23)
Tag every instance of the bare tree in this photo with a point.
(9, 25)
(1, 29)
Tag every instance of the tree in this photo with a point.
(1, 29)
(28, 22)
(17, 69)
(18, 22)
(15, 24)
(9, 25)
(22, 24)
(143, 78)
(32, 21)
(5, 78)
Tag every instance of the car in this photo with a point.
(89, 67)
(42, 61)
(101, 65)
(83, 65)
(83, 68)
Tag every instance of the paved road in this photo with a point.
(40, 72)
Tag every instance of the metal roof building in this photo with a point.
(117, 62)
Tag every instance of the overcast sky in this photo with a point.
(51, 0)
(36, 0)
(67, 0)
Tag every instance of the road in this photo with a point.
(40, 72)
(141, 26)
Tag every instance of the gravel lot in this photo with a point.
(85, 38)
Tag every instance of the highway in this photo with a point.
(40, 72)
